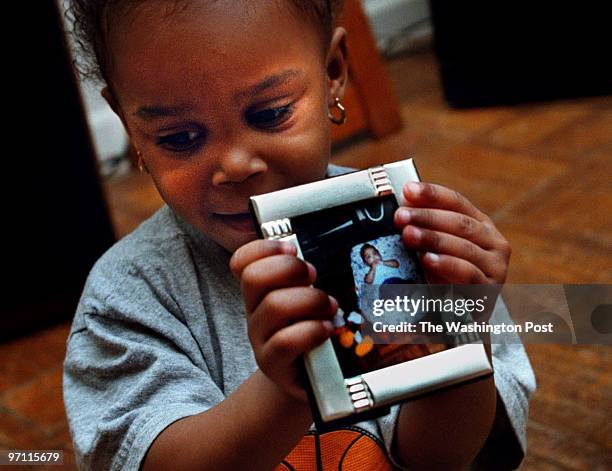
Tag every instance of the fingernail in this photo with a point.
(403, 216)
(329, 327)
(288, 248)
(413, 188)
(432, 257)
(312, 271)
(415, 234)
(334, 304)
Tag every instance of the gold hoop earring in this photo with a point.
(339, 120)
(141, 166)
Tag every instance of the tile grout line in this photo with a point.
(501, 213)
(532, 149)
(46, 431)
(19, 417)
(504, 211)
(29, 382)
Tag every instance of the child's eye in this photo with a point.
(181, 141)
(269, 118)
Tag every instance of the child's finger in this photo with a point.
(432, 277)
(430, 195)
(452, 270)
(256, 250)
(450, 222)
(271, 273)
(286, 306)
(426, 240)
(284, 347)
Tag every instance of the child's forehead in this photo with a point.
(218, 18)
(213, 39)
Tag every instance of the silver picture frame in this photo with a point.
(337, 397)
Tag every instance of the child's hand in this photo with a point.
(461, 245)
(286, 316)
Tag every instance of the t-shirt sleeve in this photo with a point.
(132, 368)
(515, 382)
(506, 445)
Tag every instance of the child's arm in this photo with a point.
(461, 245)
(391, 263)
(257, 425)
(369, 278)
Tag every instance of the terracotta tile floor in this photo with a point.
(542, 171)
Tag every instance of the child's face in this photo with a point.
(224, 100)
(371, 255)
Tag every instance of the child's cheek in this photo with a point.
(304, 157)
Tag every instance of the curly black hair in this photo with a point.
(365, 247)
(90, 22)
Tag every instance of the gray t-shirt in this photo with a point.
(160, 334)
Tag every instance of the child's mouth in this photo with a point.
(241, 221)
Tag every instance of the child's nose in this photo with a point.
(235, 165)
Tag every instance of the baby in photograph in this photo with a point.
(379, 268)
(382, 261)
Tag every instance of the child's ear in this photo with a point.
(114, 104)
(337, 65)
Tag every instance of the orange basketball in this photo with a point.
(345, 450)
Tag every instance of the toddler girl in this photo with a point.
(184, 349)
